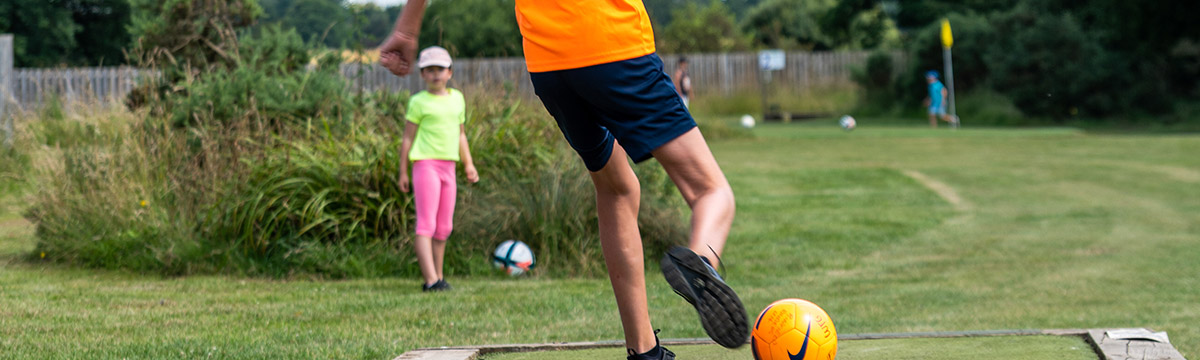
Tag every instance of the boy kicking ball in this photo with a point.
(596, 71)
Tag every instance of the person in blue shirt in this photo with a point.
(936, 101)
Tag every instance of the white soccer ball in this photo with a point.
(747, 121)
(514, 257)
(847, 122)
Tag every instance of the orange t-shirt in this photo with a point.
(570, 34)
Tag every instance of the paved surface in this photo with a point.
(1107, 348)
(1114, 349)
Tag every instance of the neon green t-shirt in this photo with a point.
(440, 117)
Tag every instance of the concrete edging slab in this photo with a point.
(1108, 348)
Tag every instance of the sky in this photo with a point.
(381, 3)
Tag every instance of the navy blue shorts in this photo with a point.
(632, 101)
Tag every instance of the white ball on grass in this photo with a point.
(514, 257)
(847, 122)
(747, 121)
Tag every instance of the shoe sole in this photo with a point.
(721, 312)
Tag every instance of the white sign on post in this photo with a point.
(770, 60)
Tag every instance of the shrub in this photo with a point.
(1050, 66)
(989, 108)
(875, 79)
(311, 193)
(267, 85)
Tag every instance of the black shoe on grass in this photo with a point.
(721, 312)
(440, 285)
(657, 353)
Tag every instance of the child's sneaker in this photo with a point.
(721, 312)
(440, 285)
(657, 353)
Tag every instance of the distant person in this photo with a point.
(683, 82)
(595, 69)
(435, 139)
(936, 101)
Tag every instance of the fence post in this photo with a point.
(6, 75)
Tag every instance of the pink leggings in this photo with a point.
(434, 190)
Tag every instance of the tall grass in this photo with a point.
(317, 198)
(305, 203)
(99, 199)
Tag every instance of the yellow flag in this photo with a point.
(947, 38)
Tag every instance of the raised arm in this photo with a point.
(399, 51)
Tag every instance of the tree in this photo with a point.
(708, 29)
(788, 24)
(196, 34)
(102, 37)
(472, 28)
(274, 10)
(1048, 65)
(836, 21)
(1149, 36)
(66, 32)
(662, 11)
(325, 21)
(858, 24)
(371, 24)
(918, 13)
(183, 39)
(44, 32)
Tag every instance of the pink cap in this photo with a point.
(434, 56)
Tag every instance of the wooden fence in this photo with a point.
(101, 85)
(727, 74)
(712, 74)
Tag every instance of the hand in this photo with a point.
(403, 182)
(398, 53)
(472, 174)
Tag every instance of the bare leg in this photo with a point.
(423, 245)
(933, 121)
(691, 165)
(439, 253)
(617, 201)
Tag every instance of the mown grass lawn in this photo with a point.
(889, 229)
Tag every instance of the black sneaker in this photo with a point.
(721, 312)
(440, 285)
(657, 353)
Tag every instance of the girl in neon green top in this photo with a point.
(434, 139)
